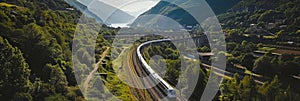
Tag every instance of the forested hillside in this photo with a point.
(175, 12)
(267, 26)
(36, 38)
(280, 18)
(35, 43)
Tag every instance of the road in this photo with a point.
(221, 72)
(227, 74)
(90, 76)
(133, 68)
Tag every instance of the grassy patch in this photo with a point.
(118, 88)
(113, 82)
(112, 89)
(118, 61)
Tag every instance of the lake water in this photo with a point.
(121, 25)
(122, 19)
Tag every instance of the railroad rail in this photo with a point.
(163, 89)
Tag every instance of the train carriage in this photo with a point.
(162, 85)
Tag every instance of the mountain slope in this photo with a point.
(284, 14)
(184, 18)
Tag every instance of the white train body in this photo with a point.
(163, 85)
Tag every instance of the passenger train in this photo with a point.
(163, 85)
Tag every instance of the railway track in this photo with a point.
(143, 70)
(141, 94)
(155, 93)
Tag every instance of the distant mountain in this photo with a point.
(184, 18)
(162, 8)
(221, 6)
(109, 14)
(101, 12)
(172, 11)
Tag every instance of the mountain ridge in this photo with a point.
(178, 14)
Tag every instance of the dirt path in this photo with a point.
(90, 76)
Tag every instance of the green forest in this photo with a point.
(36, 41)
(36, 37)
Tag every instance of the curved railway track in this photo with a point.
(154, 91)
(157, 93)
(140, 94)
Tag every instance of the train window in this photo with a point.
(172, 92)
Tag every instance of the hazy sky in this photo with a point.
(132, 7)
(107, 10)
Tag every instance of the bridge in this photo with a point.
(199, 40)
